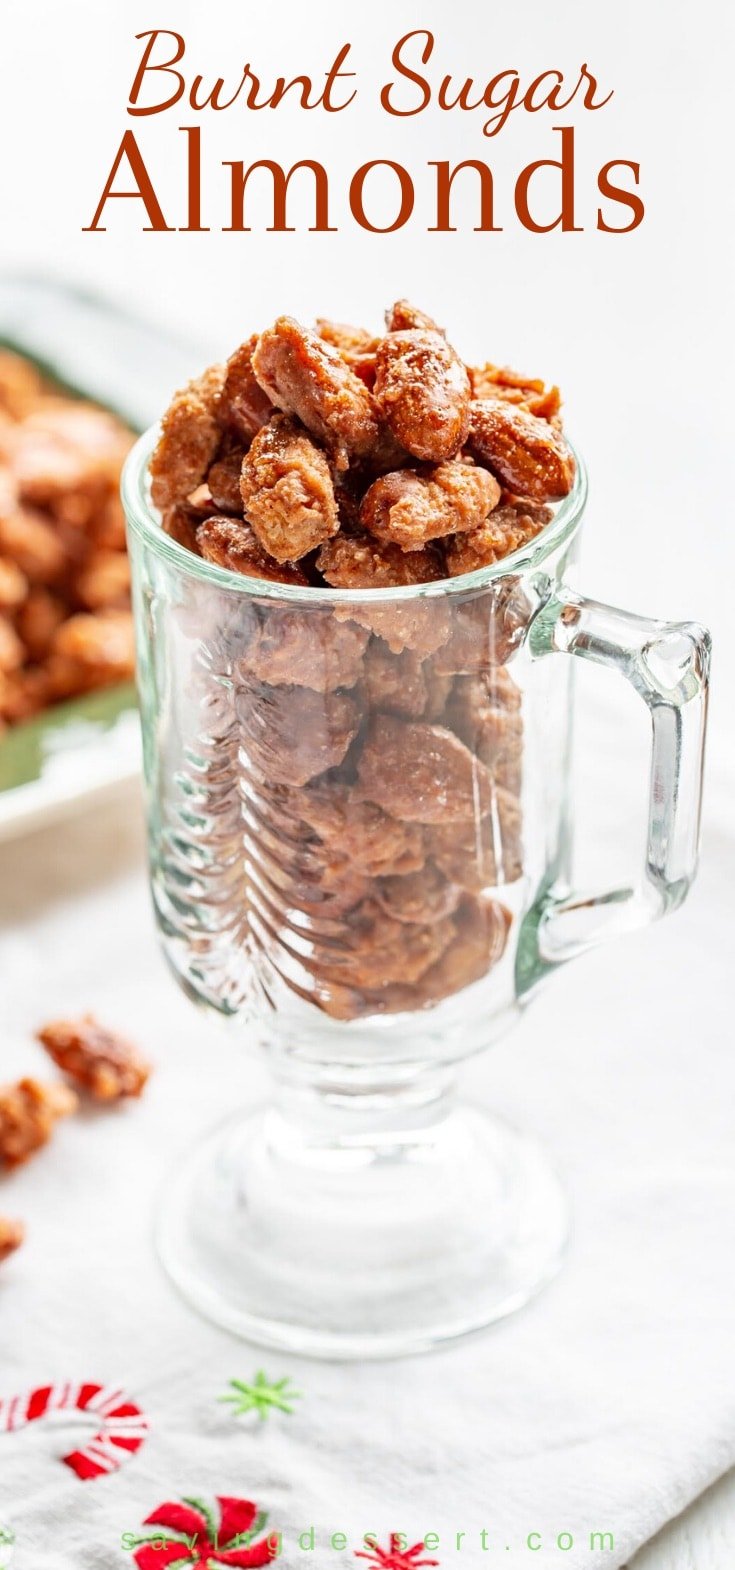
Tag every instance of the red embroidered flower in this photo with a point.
(394, 1557)
(191, 1536)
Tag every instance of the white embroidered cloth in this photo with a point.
(603, 1408)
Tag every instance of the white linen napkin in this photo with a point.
(604, 1407)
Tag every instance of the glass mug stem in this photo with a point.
(667, 663)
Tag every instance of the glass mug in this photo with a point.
(360, 843)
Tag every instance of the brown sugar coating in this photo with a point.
(496, 381)
(394, 683)
(11, 648)
(411, 510)
(29, 538)
(13, 585)
(484, 632)
(12, 1234)
(506, 528)
(405, 317)
(21, 384)
(91, 651)
(485, 714)
(373, 842)
(526, 453)
(362, 562)
(104, 582)
(62, 531)
(356, 346)
(233, 544)
(28, 1112)
(422, 773)
(304, 375)
(299, 647)
(223, 484)
(480, 855)
(420, 897)
(287, 491)
(374, 950)
(423, 392)
(480, 934)
(190, 436)
(292, 734)
(97, 1059)
(180, 524)
(37, 620)
(243, 406)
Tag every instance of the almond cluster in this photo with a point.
(65, 621)
(327, 456)
(371, 752)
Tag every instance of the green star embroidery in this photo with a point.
(7, 1538)
(261, 1396)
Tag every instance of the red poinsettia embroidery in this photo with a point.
(191, 1536)
(394, 1557)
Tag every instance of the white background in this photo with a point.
(637, 329)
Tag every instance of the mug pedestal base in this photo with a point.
(363, 1246)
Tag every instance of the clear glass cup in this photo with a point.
(360, 841)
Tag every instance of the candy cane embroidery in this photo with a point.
(123, 1427)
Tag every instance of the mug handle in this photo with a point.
(668, 665)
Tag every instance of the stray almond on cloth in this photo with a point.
(12, 1234)
(101, 1062)
(29, 1111)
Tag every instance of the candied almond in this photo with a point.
(481, 928)
(12, 1234)
(423, 392)
(355, 344)
(374, 950)
(287, 491)
(405, 317)
(505, 529)
(308, 377)
(24, 694)
(526, 453)
(12, 653)
(28, 1112)
(394, 683)
(38, 619)
(422, 772)
(411, 510)
(92, 651)
(480, 856)
(487, 719)
(362, 562)
(104, 582)
(13, 585)
(32, 542)
(292, 734)
(223, 484)
(20, 384)
(420, 897)
(98, 1060)
(180, 524)
(374, 842)
(190, 436)
(304, 648)
(243, 406)
(231, 543)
